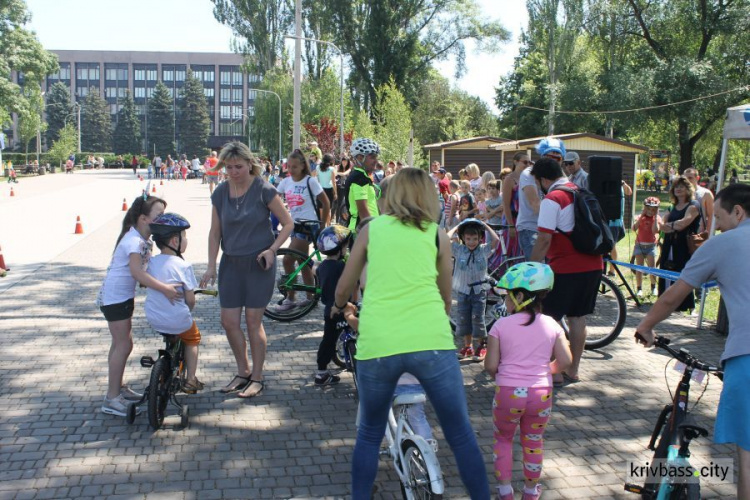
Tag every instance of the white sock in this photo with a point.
(504, 489)
(531, 491)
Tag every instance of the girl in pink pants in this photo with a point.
(519, 348)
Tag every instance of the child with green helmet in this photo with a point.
(524, 341)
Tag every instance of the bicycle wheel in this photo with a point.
(306, 294)
(419, 478)
(606, 322)
(158, 392)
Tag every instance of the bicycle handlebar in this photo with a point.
(488, 279)
(685, 357)
(205, 291)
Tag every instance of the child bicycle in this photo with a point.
(168, 375)
(675, 431)
(294, 282)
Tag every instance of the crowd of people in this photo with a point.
(415, 240)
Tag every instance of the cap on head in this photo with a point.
(571, 156)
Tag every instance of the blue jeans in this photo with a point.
(527, 240)
(470, 309)
(440, 376)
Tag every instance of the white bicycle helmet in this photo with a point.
(364, 146)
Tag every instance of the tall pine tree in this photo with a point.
(161, 122)
(193, 122)
(127, 136)
(96, 124)
(59, 111)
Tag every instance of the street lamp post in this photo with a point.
(279, 98)
(341, 56)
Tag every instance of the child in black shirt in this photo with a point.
(333, 242)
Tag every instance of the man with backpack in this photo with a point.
(573, 236)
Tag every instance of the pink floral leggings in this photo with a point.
(530, 407)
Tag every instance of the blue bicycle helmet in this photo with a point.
(167, 225)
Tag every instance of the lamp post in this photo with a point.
(279, 98)
(341, 56)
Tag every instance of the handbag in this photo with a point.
(695, 240)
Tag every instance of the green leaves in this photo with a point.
(96, 123)
(193, 121)
(127, 135)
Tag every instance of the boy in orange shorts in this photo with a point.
(174, 318)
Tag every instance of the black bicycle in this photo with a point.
(168, 373)
(674, 431)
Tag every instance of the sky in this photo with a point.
(189, 26)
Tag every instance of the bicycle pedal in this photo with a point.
(384, 452)
(147, 361)
(634, 488)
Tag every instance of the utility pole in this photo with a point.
(297, 73)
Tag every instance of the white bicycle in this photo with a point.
(414, 459)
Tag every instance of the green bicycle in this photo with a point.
(301, 285)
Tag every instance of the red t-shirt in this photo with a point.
(212, 162)
(445, 187)
(557, 217)
(646, 234)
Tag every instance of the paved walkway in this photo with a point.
(295, 441)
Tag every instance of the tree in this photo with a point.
(326, 134)
(161, 121)
(59, 110)
(65, 145)
(264, 128)
(393, 124)
(194, 123)
(19, 51)
(96, 124)
(30, 120)
(400, 40)
(127, 135)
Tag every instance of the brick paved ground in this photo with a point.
(296, 439)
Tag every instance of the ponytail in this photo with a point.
(140, 206)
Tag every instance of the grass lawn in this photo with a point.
(624, 254)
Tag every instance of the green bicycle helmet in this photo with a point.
(529, 276)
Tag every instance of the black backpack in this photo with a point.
(591, 234)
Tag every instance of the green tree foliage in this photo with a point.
(19, 51)
(193, 123)
(264, 129)
(59, 110)
(127, 135)
(443, 113)
(161, 122)
(400, 40)
(65, 145)
(96, 124)
(393, 124)
(30, 120)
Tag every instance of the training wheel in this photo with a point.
(185, 414)
(130, 417)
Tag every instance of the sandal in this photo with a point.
(192, 387)
(262, 386)
(570, 380)
(230, 387)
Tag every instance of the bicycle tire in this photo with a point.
(158, 392)
(418, 474)
(339, 355)
(280, 293)
(605, 324)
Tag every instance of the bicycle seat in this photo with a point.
(409, 399)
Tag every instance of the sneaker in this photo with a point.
(507, 496)
(465, 352)
(640, 293)
(285, 305)
(480, 354)
(129, 394)
(303, 303)
(327, 378)
(532, 496)
(117, 406)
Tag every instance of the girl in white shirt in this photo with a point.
(117, 294)
(306, 201)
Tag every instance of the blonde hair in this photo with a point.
(487, 177)
(411, 198)
(465, 184)
(472, 170)
(454, 185)
(239, 150)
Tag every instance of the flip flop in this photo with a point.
(570, 380)
(228, 389)
(262, 386)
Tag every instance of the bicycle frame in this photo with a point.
(289, 283)
(397, 432)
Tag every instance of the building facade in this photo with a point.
(228, 90)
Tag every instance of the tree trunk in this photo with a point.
(686, 147)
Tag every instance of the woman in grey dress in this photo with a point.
(241, 226)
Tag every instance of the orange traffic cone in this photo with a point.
(79, 226)
(11, 192)
(2, 264)
(153, 189)
(124, 205)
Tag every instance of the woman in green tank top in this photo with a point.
(404, 327)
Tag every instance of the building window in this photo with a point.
(121, 92)
(252, 95)
(150, 92)
(236, 112)
(139, 75)
(208, 93)
(208, 76)
(251, 112)
(236, 95)
(151, 75)
(110, 92)
(168, 75)
(139, 92)
(225, 112)
(180, 75)
(82, 91)
(236, 78)
(225, 95)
